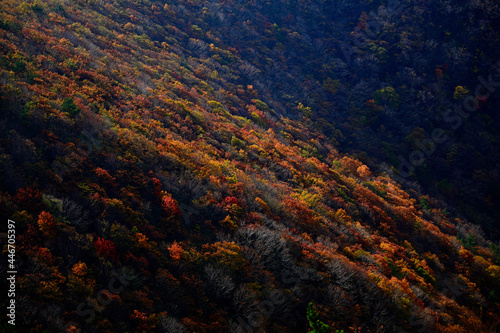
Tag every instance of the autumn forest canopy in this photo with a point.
(250, 166)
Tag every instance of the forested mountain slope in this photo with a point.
(380, 78)
(182, 167)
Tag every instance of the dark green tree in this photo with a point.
(70, 107)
